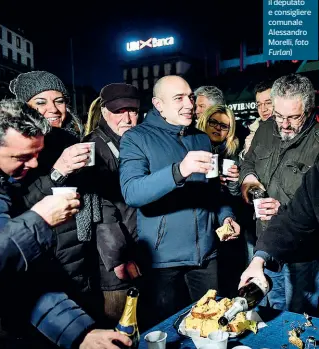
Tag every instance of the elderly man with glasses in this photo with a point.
(283, 149)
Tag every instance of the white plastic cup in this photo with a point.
(256, 203)
(218, 339)
(63, 190)
(214, 172)
(91, 160)
(227, 164)
(156, 340)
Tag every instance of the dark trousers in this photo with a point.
(168, 290)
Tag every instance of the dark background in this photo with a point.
(100, 30)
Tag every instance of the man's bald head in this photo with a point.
(162, 83)
(174, 100)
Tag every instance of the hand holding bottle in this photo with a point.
(252, 289)
(103, 339)
(255, 269)
(249, 182)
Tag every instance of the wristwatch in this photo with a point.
(57, 177)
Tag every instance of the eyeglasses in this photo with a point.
(290, 119)
(214, 123)
(131, 111)
(267, 104)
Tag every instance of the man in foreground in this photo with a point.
(26, 239)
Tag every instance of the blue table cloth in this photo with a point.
(272, 337)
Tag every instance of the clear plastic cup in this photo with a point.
(219, 339)
(91, 160)
(214, 172)
(63, 190)
(156, 340)
(227, 164)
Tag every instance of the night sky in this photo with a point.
(101, 29)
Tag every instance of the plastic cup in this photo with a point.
(242, 347)
(256, 203)
(91, 160)
(156, 340)
(214, 172)
(227, 164)
(63, 190)
(218, 339)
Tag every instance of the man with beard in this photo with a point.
(282, 151)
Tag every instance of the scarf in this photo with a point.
(90, 213)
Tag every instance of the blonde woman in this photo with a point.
(94, 116)
(219, 123)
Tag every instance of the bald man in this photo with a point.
(163, 163)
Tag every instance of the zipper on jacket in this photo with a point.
(197, 236)
(181, 134)
(160, 233)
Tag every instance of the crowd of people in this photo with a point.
(146, 214)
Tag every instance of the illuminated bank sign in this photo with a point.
(151, 42)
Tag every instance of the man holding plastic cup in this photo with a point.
(163, 163)
(283, 149)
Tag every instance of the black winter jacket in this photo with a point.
(117, 233)
(25, 245)
(279, 165)
(293, 235)
(77, 258)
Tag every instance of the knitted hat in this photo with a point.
(117, 96)
(28, 85)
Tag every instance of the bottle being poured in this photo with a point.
(249, 296)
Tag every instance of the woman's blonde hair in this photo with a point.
(94, 116)
(232, 142)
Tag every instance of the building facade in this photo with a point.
(16, 56)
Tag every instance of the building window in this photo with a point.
(125, 74)
(134, 73)
(10, 54)
(167, 68)
(29, 62)
(145, 84)
(135, 83)
(19, 58)
(155, 80)
(145, 72)
(9, 37)
(156, 70)
(28, 47)
(18, 41)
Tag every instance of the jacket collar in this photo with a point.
(219, 148)
(105, 128)
(154, 118)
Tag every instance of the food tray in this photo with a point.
(179, 326)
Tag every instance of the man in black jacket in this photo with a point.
(119, 105)
(25, 236)
(282, 151)
(292, 235)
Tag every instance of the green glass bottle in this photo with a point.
(128, 322)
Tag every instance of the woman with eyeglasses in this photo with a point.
(219, 123)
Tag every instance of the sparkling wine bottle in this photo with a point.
(249, 296)
(128, 322)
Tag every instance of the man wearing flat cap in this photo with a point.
(119, 105)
